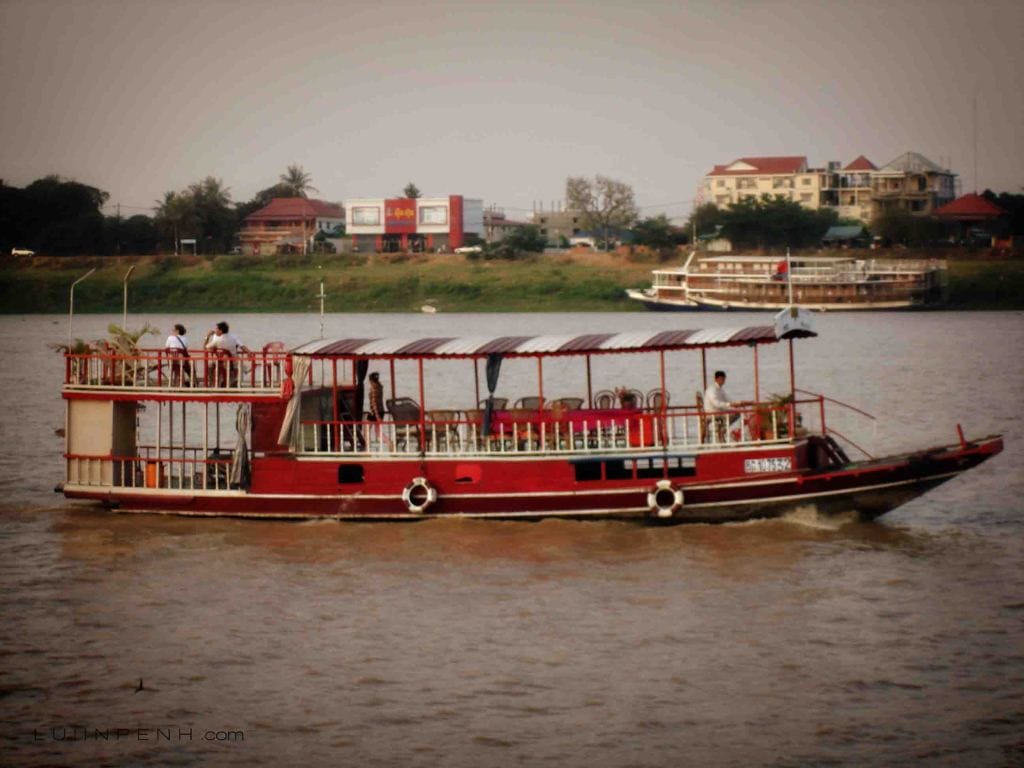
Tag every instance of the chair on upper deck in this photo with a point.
(272, 363)
(605, 399)
(567, 403)
(530, 403)
(654, 399)
(443, 430)
(405, 412)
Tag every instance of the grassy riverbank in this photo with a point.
(396, 283)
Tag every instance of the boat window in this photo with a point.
(617, 470)
(588, 470)
(350, 473)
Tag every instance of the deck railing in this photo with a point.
(251, 372)
(182, 468)
(676, 428)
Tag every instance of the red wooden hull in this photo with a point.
(715, 486)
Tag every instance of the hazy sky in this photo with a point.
(499, 100)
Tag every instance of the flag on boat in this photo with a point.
(781, 270)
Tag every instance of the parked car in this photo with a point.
(469, 249)
(22, 252)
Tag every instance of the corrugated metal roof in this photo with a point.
(561, 344)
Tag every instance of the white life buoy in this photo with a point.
(664, 499)
(418, 495)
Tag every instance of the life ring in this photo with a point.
(664, 499)
(418, 495)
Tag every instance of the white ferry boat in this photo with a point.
(824, 283)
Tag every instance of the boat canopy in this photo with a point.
(554, 345)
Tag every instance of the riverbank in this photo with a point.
(583, 282)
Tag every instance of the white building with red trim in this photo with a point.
(413, 224)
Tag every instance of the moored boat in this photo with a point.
(300, 434)
(825, 283)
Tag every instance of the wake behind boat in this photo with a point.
(824, 283)
(310, 434)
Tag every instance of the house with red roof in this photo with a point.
(287, 223)
(859, 190)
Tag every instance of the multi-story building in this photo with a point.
(860, 190)
(412, 224)
(558, 226)
(289, 222)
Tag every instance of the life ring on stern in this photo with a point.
(418, 495)
(665, 500)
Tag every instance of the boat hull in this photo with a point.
(550, 487)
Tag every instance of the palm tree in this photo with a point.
(298, 180)
(176, 215)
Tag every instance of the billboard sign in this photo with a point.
(399, 215)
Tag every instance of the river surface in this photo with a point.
(798, 641)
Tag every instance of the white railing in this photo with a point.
(251, 372)
(653, 431)
(182, 468)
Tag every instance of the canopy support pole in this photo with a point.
(590, 388)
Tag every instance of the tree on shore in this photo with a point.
(774, 221)
(297, 181)
(658, 234)
(605, 205)
(53, 216)
(203, 211)
(411, 191)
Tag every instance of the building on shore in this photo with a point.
(859, 190)
(289, 223)
(497, 224)
(388, 225)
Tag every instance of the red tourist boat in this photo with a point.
(289, 434)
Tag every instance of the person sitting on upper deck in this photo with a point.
(220, 339)
(717, 400)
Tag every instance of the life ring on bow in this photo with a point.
(418, 495)
(665, 500)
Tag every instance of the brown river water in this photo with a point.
(799, 641)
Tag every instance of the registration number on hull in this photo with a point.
(781, 464)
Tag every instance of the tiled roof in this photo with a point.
(288, 208)
(970, 207)
(861, 164)
(763, 165)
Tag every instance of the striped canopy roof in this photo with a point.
(533, 346)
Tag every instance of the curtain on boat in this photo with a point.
(240, 460)
(493, 369)
(289, 426)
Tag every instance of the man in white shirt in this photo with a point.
(717, 400)
(221, 338)
(715, 397)
(223, 343)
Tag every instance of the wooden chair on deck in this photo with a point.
(531, 403)
(567, 403)
(605, 399)
(443, 430)
(272, 368)
(405, 412)
(654, 401)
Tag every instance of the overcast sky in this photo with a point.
(499, 100)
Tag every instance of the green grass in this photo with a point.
(359, 283)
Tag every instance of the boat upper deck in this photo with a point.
(201, 375)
